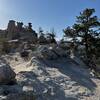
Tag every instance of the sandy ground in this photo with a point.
(62, 79)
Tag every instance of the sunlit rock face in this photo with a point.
(11, 29)
(15, 30)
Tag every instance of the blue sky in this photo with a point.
(48, 14)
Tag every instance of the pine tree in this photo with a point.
(86, 26)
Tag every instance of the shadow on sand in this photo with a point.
(75, 72)
(51, 90)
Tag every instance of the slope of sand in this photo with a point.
(60, 79)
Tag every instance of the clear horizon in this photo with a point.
(48, 14)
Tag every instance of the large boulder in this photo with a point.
(7, 75)
(50, 52)
(59, 51)
(47, 53)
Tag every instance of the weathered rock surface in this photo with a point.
(7, 75)
(16, 92)
(57, 79)
(18, 96)
(59, 51)
(21, 96)
(50, 52)
(47, 53)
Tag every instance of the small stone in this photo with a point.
(27, 88)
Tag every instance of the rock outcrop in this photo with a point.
(47, 53)
(8, 89)
(50, 52)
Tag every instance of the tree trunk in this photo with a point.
(86, 45)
